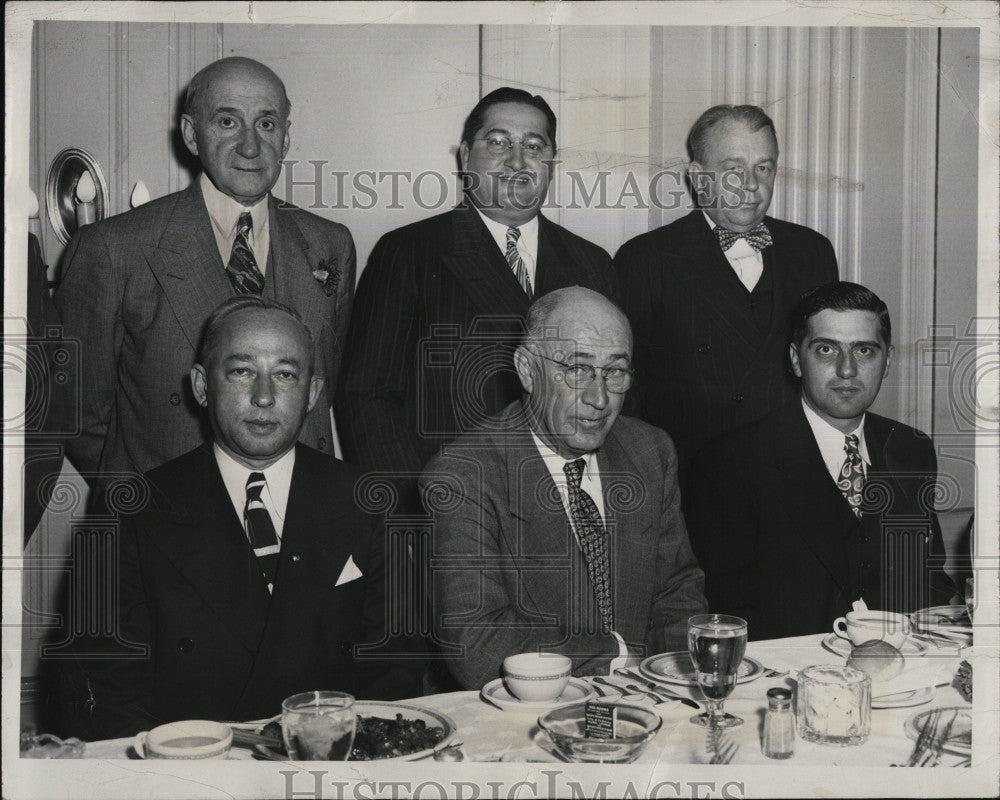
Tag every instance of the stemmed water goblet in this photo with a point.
(716, 643)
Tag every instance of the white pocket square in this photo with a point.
(349, 573)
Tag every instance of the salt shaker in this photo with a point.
(779, 724)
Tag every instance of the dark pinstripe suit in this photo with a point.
(707, 360)
(436, 316)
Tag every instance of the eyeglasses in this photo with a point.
(583, 376)
(499, 145)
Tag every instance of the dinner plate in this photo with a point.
(916, 697)
(951, 622)
(842, 647)
(366, 708)
(960, 738)
(676, 668)
(576, 691)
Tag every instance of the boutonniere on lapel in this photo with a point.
(328, 275)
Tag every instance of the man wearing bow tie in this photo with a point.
(708, 295)
(252, 573)
(138, 287)
(822, 502)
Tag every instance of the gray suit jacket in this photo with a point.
(136, 291)
(507, 573)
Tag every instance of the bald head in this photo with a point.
(575, 367)
(557, 314)
(238, 69)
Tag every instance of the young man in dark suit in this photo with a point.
(138, 287)
(558, 526)
(252, 573)
(708, 295)
(440, 306)
(822, 502)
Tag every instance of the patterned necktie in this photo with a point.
(516, 262)
(260, 529)
(758, 237)
(852, 476)
(593, 539)
(242, 267)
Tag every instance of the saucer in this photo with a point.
(576, 691)
(842, 647)
(676, 668)
(916, 697)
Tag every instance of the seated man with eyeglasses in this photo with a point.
(558, 528)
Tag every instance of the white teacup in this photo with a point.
(187, 739)
(536, 677)
(864, 626)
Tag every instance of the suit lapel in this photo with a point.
(809, 494)
(480, 268)
(621, 478)
(554, 267)
(289, 273)
(186, 263)
(703, 268)
(206, 542)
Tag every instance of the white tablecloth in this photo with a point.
(488, 733)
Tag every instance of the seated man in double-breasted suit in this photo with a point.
(558, 528)
(251, 574)
(822, 502)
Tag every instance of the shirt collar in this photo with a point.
(224, 211)
(831, 440)
(555, 462)
(235, 474)
(529, 232)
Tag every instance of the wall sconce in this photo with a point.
(75, 192)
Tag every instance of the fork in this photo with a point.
(927, 734)
(937, 746)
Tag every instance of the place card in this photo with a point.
(601, 721)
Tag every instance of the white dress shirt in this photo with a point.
(831, 442)
(527, 243)
(278, 482)
(747, 263)
(225, 213)
(590, 482)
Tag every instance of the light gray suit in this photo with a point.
(136, 291)
(507, 573)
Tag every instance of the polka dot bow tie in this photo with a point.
(758, 237)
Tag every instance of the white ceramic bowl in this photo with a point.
(186, 739)
(536, 677)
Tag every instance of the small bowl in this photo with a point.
(185, 739)
(566, 728)
(536, 677)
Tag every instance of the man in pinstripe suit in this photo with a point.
(709, 295)
(441, 303)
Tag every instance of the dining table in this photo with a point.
(486, 732)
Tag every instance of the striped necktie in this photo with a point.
(516, 262)
(260, 529)
(852, 474)
(593, 539)
(242, 267)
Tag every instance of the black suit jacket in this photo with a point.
(220, 647)
(781, 547)
(702, 365)
(437, 314)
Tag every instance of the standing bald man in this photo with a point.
(137, 288)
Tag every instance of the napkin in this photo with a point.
(349, 573)
(917, 674)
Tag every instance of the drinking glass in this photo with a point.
(716, 643)
(970, 595)
(834, 705)
(318, 726)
